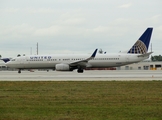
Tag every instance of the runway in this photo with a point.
(88, 75)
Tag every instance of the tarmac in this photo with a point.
(88, 75)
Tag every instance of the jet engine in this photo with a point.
(62, 67)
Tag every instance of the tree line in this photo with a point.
(156, 58)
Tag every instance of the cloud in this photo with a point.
(40, 10)
(73, 21)
(58, 30)
(66, 24)
(49, 31)
(127, 5)
(9, 10)
(16, 31)
(101, 29)
(156, 18)
(77, 24)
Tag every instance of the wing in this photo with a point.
(83, 63)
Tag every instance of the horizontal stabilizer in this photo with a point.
(145, 55)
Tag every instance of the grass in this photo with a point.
(102, 100)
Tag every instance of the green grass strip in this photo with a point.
(92, 100)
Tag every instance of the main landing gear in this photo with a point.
(80, 70)
(19, 71)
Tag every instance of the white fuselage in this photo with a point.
(50, 61)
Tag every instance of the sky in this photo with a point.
(77, 26)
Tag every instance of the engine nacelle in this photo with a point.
(62, 67)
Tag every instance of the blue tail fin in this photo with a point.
(141, 46)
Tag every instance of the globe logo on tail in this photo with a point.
(138, 48)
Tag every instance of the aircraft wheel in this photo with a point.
(19, 71)
(80, 71)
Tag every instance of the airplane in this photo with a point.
(69, 62)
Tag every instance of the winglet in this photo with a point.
(85, 60)
(94, 53)
(92, 56)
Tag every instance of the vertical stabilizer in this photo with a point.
(142, 44)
